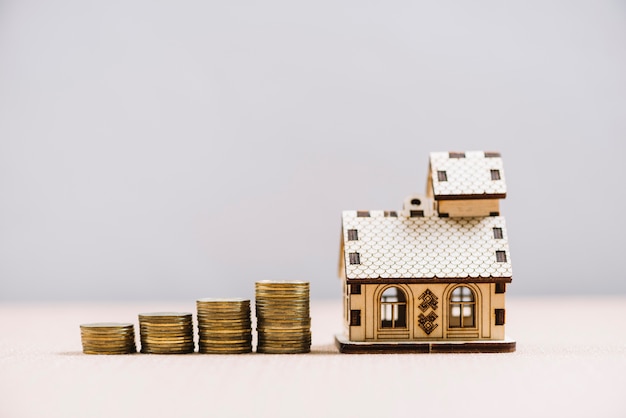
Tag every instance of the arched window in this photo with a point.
(393, 308)
(462, 308)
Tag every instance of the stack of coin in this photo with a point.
(224, 326)
(283, 317)
(108, 338)
(166, 333)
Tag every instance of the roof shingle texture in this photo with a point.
(425, 247)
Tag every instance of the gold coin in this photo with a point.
(223, 301)
(184, 330)
(107, 325)
(231, 349)
(165, 317)
(282, 282)
(288, 350)
(98, 350)
(167, 349)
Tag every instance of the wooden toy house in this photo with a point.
(432, 277)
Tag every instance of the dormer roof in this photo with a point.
(467, 175)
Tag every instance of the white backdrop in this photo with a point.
(153, 150)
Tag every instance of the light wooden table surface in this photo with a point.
(570, 361)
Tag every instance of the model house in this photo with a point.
(433, 276)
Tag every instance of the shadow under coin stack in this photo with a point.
(108, 338)
(283, 317)
(224, 326)
(166, 333)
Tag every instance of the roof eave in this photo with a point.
(432, 280)
(470, 196)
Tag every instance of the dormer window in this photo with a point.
(353, 235)
(442, 175)
(495, 175)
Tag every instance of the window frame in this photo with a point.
(462, 305)
(500, 315)
(395, 307)
(354, 259)
(500, 288)
(355, 288)
(355, 317)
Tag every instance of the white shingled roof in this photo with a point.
(424, 247)
(467, 176)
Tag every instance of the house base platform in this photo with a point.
(401, 347)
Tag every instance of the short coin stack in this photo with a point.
(283, 317)
(166, 333)
(108, 338)
(224, 326)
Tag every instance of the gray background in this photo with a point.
(175, 150)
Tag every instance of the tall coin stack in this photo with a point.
(224, 326)
(283, 317)
(166, 333)
(108, 338)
